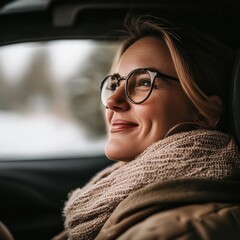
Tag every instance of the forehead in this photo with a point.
(150, 52)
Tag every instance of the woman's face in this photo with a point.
(134, 127)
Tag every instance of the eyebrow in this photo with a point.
(117, 75)
(163, 74)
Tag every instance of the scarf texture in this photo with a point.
(195, 154)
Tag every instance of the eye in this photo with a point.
(112, 87)
(143, 83)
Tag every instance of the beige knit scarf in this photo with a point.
(199, 153)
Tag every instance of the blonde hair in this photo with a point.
(203, 65)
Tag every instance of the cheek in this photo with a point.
(178, 109)
(166, 110)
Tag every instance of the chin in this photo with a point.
(117, 157)
(120, 151)
(117, 154)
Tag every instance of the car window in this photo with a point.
(49, 98)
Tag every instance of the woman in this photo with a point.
(178, 170)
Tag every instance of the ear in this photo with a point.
(212, 121)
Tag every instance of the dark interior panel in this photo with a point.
(33, 192)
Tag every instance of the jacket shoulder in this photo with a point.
(213, 221)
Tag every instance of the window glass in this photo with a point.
(49, 98)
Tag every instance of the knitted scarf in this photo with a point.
(199, 154)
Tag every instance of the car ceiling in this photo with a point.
(29, 20)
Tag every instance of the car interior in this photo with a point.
(41, 163)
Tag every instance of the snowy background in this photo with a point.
(49, 98)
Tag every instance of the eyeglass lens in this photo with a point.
(138, 86)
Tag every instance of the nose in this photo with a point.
(118, 101)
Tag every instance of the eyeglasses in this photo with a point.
(139, 84)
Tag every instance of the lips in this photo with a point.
(121, 125)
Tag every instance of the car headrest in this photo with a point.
(235, 102)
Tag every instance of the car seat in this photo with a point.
(235, 102)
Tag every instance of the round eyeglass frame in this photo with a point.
(154, 73)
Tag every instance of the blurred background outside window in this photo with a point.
(49, 98)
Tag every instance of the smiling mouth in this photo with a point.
(121, 125)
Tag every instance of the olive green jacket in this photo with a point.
(179, 209)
